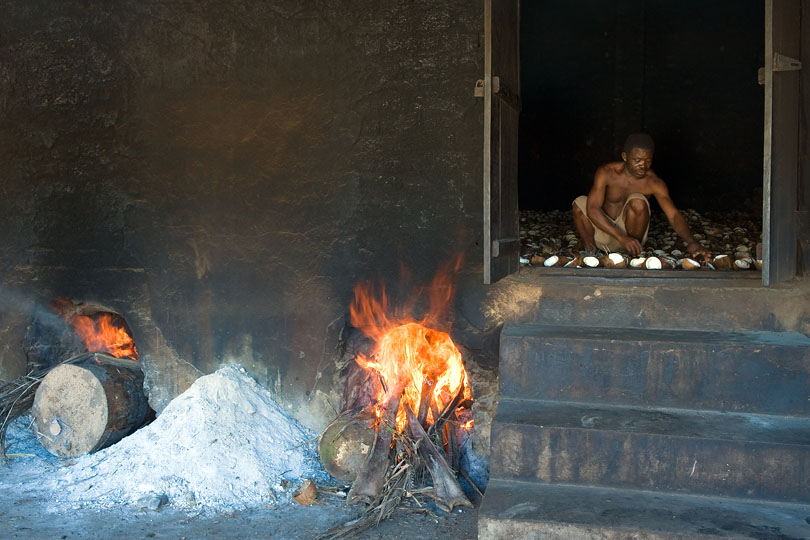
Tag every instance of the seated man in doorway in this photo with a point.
(615, 215)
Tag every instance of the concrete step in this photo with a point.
(528, 511)
(756, 371)
(700, 452)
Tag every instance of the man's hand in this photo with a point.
(631, 245)
(694, 248)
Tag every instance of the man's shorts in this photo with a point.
(603, 240)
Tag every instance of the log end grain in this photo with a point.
(70, 411)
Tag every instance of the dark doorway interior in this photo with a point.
(686, 72)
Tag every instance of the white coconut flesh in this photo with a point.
(653, 263)
(742, 264)
(551, 261)
(616, 258)
(638, 262)
(591, 262)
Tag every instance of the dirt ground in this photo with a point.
(27, 514)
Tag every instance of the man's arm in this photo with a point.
(677, 221)
(596, 199)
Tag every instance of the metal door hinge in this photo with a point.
(780, 63)
(785, 63)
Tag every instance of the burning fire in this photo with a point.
(101, 334)
(411, 355)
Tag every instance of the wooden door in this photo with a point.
(501, 110)
(781, 137)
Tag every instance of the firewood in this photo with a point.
(425, 400)
(446, 487)
(371, 477)
(81, 408)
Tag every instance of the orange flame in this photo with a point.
(103, 335)
(409, 354)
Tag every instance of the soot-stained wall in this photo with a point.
(223, 173)
(594, 71)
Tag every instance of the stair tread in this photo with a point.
(513, 509)
(696, 336)
(770, 429)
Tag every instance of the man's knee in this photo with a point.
(579, 205)
(638, 207)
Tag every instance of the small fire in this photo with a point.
(412, 355)
(100, 333)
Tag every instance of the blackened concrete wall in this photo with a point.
(222, 173)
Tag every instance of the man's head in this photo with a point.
(638, 154)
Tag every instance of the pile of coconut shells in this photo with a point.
(548, 239)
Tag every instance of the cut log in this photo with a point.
(447, 489)
(371, 477)
(81, 408)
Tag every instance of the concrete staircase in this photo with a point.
(640, 433)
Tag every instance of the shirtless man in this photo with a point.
(615, 215)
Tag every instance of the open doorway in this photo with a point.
(686, 72)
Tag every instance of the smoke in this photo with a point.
(15, 302)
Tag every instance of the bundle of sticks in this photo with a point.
(398, 464)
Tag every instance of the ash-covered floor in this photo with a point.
(221, 461)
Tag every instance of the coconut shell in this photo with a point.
(668, 262)
(306, 494)
(742, 264)
(690, 264)
(590, 262)
(617, 260)
(537, 260)
(638, 262)
(551, 261)
(653, 263)
(722, 262)
(574, 263)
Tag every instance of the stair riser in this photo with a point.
(651, 462)
(725, 377)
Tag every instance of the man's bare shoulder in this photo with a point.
(611, 170)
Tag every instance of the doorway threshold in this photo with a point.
(697, 278)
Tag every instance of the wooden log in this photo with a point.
(81, 408)
(371, 477)
(447, 489)
(425, 399)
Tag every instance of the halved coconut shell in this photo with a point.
(722, 262)
(638, 262)
(758, 264)
(742, 264)
(653, 263)
(668, 262)
(617, 260)
(551, 261)
(689, 264)
(537, 260)
(576, 262)
(590, 261)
